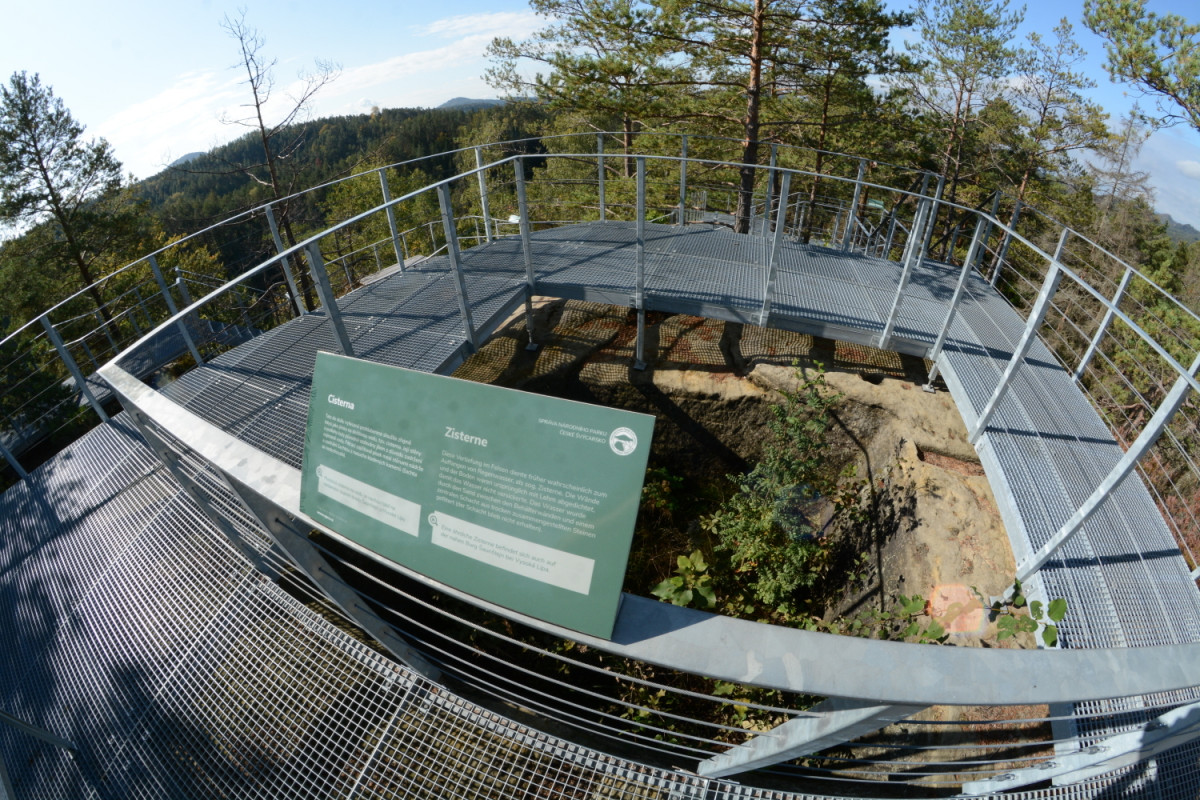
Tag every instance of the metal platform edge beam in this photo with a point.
(1173, 729)
(837, 721)
(743, 651)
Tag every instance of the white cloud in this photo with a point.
(499, 23)
(434, 63)
(187, 116)
(1189, 168)
(1172, 157)
(180, 119)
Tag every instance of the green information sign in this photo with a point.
(523, 500)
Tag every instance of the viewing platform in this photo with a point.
(176, 631)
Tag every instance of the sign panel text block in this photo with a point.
(523, 500)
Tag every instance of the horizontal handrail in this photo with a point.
(787, 659)
(649, 631)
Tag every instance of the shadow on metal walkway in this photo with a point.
(136, 630)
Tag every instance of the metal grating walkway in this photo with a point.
(166, 698)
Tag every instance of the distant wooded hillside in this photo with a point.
(1180, 231)
(214, 185)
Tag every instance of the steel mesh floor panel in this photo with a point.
(105, 678)
(45, 771)
(272, 702)
(228, 686)
(50, 582)
(823, 300)
(731, 284)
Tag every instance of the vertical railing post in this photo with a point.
(184, 292)
(526, 235)
(683, 154)
(483, 195)
(600, 171)
(831, 722)
(293, 290)
(183, 289)
(891, 235)
(72, 367)
(1109, 313)
(393, 228)
(911, 259)
(108, 333)
(91, 356)
(936, 351)
(11, 458)
(639, 291)
(526, 249)
(1128, 462)
(954, 234)
(987, 233)
(179, 323)
(931, 223)
(141, 304)
(1037, 315)
(1002, 254)
(848, 239)
(773, 255)
(770, 199)
(452, 251)
(316, 266)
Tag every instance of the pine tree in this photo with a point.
(966, 47)
(1055, 118)
(49, 172)
(1160, 55)
(607, 60)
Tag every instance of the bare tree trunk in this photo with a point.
(750, 125)
(258, 76)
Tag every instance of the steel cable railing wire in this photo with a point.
(468, 673)
(340, 558)
(1010, 760)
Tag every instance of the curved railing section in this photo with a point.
(661, 687)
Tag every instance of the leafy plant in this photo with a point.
(660, 492)
(769, 527)
(903, 623)
(691, 585)
(1011, 620)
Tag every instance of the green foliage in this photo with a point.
(966, 48)
(903, 623)
(768, 527)
(1015, 615)
(691, 585)
(50, 175)
(1159, 54)
(660, 493)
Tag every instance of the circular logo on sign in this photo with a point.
(321, 471)
(622, 441)
(433, 520)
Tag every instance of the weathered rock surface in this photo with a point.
(708, 382)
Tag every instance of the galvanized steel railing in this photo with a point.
(838, 211)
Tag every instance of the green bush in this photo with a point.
(768, 528)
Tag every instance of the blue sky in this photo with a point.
(155, 78)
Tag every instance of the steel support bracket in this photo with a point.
(834, 721)
(1175, 728)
